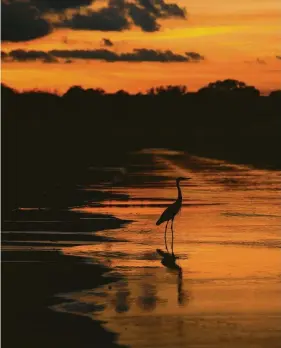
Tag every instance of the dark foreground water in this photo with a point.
(226, 290)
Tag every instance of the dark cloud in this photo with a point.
(194, 56)
(137, 55)
(278, 57)
(170, 10)
(149, 5)
(50, 59)
(107, 42)
(59, 5)
(120, 4)
(99, 54)
(159, 8)
(146, 55)
(143, 18)
(25, 56)
(173, 10)
(22, 22)
(120, 14)
(105, 19)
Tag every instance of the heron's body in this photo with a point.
(171, 211)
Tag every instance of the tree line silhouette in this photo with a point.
(49, 139)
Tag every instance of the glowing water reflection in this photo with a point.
(225, 289)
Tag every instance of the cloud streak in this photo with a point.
(29, 56)
(137, 55)
(194, 56)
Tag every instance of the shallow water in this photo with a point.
(227, 240)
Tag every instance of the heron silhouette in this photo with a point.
(170, 212)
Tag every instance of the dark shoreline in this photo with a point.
(29, 286)
(34, 275)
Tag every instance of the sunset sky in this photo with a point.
(123, 44)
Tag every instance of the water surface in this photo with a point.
(227, 239)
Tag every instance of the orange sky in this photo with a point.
(231, 36)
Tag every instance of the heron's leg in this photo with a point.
(172, 229)
(166, 236)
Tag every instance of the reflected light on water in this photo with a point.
(225, 289)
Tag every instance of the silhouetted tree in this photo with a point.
(173, 91)
(229, 87)
(74, 92)
(95, 92)
(122, 92)
(6, 91)
(275, 94)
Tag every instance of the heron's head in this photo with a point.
(181, 178)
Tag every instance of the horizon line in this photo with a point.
(143, 92)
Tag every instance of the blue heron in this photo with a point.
(171, 211)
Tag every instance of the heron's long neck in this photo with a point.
(179, 192)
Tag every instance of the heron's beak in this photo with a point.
(185, 179)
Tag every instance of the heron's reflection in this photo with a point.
(170, 262)
(121, 300)
(147, 301)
